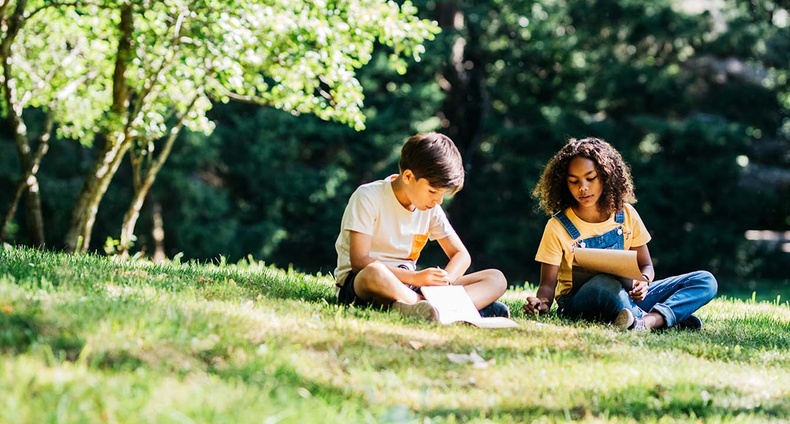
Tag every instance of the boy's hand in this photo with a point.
(535, 305)
(639, 291)
(431, 277)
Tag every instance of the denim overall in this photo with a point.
(602, 297)
(611, 240)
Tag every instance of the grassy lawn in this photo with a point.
(87, 339)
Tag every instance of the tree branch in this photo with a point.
(166, 61)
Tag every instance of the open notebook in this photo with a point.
(455, 305)
(620, 263)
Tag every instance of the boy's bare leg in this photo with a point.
(484, 287)
(377, 283)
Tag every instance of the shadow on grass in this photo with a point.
(682, 402)
(19, 330)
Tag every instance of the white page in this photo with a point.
(454, 304)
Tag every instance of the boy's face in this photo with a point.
(422, 195)
(584, 182)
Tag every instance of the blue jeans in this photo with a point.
(675, 298)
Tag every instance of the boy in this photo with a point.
(387, 223)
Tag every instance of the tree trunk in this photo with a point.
(158, 234)
(83, 216)
(145, 184)
(29, 166)
(29, 182)
(117, 143)
(467, 103)
(130, 221)
(35, 219)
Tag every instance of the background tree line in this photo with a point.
(697, 102)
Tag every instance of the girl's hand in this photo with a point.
(639, 291)
(534, 305)
(431, 277)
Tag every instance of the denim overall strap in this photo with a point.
(611, 240)
(566, 222)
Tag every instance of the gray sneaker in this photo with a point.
(626, 320)
(421, 309)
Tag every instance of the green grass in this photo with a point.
(87, 339)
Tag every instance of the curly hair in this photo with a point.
(618, 186)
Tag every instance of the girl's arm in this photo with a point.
(645, 262)
(639, 290)
(545, 294)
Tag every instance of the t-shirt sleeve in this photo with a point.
(550, 248)
(440, 225)
(361, 213)
(640, 235)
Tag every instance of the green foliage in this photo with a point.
(105, 340)
(238, 193)
(164, 61)
(647, 78)
(697, 103)
(297, 56)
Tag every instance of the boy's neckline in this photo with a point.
(397, 187)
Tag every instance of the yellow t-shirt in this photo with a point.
(556, 246)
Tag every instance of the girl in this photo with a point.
(588, 190)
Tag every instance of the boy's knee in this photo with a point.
(374, 271)
(497, 279)
(376, 278)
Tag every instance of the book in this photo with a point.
(622, 264)
(455, 305)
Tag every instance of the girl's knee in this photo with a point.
(710, 282)
(707, 281)
(603, 284)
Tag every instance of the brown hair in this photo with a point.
(618, 186)
(433, 156)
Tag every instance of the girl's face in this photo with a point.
(584, 182)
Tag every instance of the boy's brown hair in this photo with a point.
(618, 186)
(433, 156)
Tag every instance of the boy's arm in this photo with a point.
(359, 252)
(459, 258)
(545, 294)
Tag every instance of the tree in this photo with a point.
(162, 63)
(523, 76)
(14, 105)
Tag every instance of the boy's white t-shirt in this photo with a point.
(397, 234)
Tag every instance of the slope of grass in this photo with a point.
(87, 339)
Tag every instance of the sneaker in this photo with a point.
(421, 309)
(690, 323)
(626, 320)
(496, 309)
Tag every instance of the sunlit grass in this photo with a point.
(87, 339)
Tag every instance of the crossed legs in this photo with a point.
(377, 284)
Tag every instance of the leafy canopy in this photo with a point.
(298, 56)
